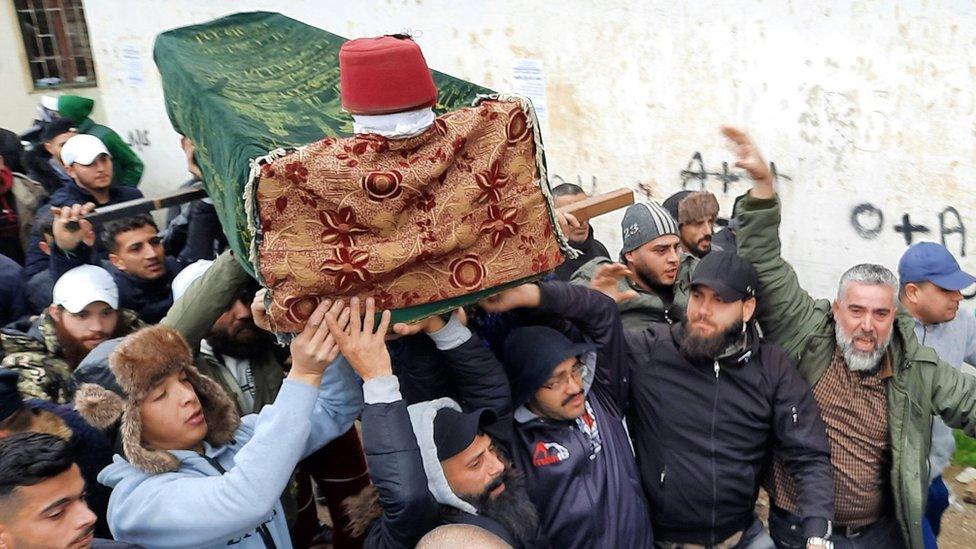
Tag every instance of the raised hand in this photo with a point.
(315, 347)
(66, 239)
(259, 311)
(607, 279)
(751, 160)
(526, 295)
(363, 347)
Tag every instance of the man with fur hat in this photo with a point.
(192, 472)
(652, 252)
(433, 462)
(741, 403)
(85, 312)
(696, 212)
(570, 404)
(90, 448)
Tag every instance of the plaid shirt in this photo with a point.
(854, 407)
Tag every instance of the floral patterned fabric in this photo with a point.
(457, 210)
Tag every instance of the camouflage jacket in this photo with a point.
(33, 349)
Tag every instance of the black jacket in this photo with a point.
(69, 195)
(150, 299)
(396, 466)
(705, 432)
(589, 249)
(582, 475)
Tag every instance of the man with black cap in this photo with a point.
(570, 436)
(931, 284)
(708, 404)
(652, 252)
(89, 448)
(434, 462)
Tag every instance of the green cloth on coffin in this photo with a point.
(250, 83)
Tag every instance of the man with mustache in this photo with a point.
(136, 259)
(708, 404)
(652, 252)
(42, 496)
(433, 462)
(931, 285)
(696, 212)
(877, 388)
(84, 313)
(570, 402)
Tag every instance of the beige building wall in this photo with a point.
(18, 99)
(867, 107)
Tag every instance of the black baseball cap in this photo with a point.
(730, 276)
(454, 431)
(56, 127)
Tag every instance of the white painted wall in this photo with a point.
(857, 102)
(18, 100)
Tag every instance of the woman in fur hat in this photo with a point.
(194, 474)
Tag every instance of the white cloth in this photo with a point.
(396, 125)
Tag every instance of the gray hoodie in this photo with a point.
(955, 342)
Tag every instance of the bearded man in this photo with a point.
(877, 388)
(709, 404)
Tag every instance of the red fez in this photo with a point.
(384, 75)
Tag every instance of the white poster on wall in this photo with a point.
(530, 81)
(132, 66)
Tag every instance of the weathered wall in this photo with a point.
(865, 107)
(18, 100)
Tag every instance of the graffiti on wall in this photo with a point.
(868, 221)
(138, 139)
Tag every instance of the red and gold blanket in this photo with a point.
(455, 211)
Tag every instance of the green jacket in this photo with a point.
(647, 308)
(194, 314)
(33, 349)
(922, 385)
(126, 165)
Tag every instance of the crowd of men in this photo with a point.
(641, 400)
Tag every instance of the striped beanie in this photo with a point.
(643, 222)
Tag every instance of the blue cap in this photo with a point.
(931, 262)
(531, 356)
(10, 399)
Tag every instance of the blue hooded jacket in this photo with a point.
(229, 496)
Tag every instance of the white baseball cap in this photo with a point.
(83, 149)
(182, 282)
(83, 285)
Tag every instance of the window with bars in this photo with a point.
(56, 40)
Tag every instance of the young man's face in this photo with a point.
(476, 470)
(140, 253)
(96, 176)
(579, 235)
(656, 262)
(53, 147)
(697, 237)
(562, 396)
(932, 304)
(88, 327)
(50, 514)
(172, 416)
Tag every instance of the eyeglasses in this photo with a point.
(579, 371)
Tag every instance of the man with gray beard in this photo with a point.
(876, 386)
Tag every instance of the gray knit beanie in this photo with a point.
(643, 222)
